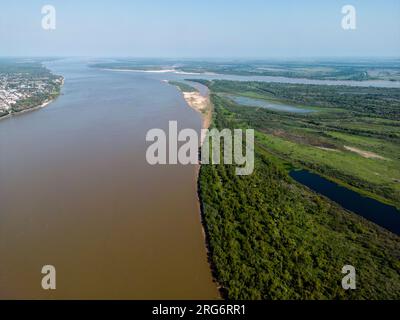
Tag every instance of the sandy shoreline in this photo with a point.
(159, 71)
(202, 105)
(365, 154)
(138, 70)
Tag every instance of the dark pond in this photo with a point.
(382, 214)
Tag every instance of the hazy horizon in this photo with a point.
(211, 58)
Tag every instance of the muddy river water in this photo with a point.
(77, 193)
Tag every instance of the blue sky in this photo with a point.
(208, 28)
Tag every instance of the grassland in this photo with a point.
(352, 139)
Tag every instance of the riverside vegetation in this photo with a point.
(26, 84)
(272, 238)
(352, 138)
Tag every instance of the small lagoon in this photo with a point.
(380, 213)
(267, 105)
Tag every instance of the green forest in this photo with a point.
(272, 238)
(324, 141)
(184, 87)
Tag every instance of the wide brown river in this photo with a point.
(77, 193)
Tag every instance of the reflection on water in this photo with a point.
(76, 192)
(382, 214)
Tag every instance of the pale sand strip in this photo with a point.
(202, 105)
(328, 149)
(365, 154)
(138, 70)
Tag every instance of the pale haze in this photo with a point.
(217, 28)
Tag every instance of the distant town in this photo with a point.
(26, 85)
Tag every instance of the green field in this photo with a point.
(354, 144)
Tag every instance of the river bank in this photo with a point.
(42, 105)
(202, 104)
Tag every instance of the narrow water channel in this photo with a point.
(382, 214)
